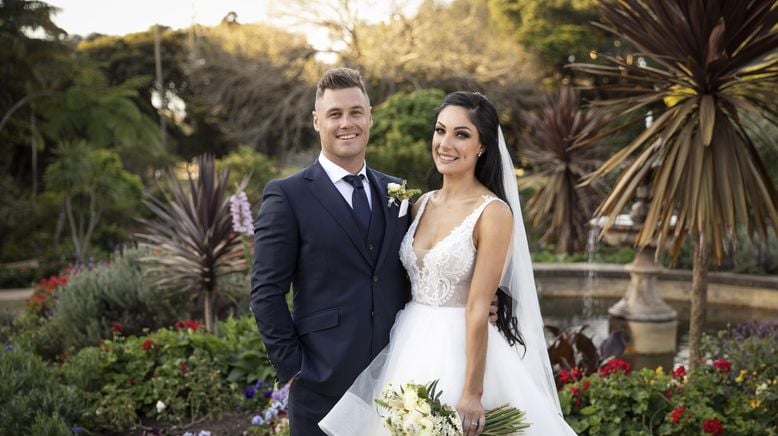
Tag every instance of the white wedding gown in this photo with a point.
(427, 342)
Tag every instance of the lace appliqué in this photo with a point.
(443, 278)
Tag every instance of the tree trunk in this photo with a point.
(699, 300)
(208, 310)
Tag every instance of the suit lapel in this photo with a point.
(329, 197)
(390, 214)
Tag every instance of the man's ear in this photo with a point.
(315, 121)
(370, 112)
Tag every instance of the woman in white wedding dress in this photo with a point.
(466, 241)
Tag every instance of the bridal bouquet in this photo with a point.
(416, 409)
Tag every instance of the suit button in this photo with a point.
(375, 279)
(370, 247)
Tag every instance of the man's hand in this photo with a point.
(493, 310)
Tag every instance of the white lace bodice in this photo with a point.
(441, 276)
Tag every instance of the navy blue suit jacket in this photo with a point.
(344, 304)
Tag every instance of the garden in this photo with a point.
(132, 167)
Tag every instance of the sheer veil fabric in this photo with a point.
(518, 281)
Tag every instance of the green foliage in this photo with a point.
(193, 373)
(554, 29)
(83, 312)
(92, 183)
(401, 134)
(31, 397)
(248, 163)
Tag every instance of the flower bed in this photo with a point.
(736, 392)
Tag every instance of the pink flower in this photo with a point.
(712, 426)
(188, 324)
(564, 376)
(677, 414)
(722, 365)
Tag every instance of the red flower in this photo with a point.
(182, 366)
(576, 373)
(669, 394)
(564, 376)
(574, 390)
(615, 365)
(712, 426)
(117, 327)
(677, 413)
(679, 372)
(586, 385)
(149, 344)
(722, 365)
(188, 324)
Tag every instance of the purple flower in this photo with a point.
(9, 347)
(76, 429)
(259, 384)
(241, 213)
(268, 393)
(257, 420)
(249, 392)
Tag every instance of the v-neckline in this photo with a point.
(450, 233)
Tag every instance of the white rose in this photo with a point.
(410, 399)
(161, 406)
(425, 408)
(393, 187)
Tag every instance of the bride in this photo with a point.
(466, 241)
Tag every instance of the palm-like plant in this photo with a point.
(561, 146)
(192, 236)
(714, 62)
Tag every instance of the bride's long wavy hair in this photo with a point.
(488, 171)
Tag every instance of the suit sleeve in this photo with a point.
(276, 246)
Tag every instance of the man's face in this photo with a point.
(343, 118)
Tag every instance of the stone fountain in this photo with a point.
(649, 324)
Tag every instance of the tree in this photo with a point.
(247, 164)
(561, 148)
(451, 47)
(553, 29)
(713, 61)
(90, 182)
(192, 237)
(259, 83)
(401, 136)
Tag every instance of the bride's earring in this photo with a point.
(480, 152)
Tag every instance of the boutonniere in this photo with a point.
(399, 193)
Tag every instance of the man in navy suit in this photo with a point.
(328, 232)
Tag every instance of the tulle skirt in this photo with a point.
(428, 343)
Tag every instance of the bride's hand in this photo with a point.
(471, 411)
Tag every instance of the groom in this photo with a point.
(329, 233)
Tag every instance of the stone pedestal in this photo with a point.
(650, 325)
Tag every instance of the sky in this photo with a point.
(119, 17)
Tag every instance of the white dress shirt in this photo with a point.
(346, 189)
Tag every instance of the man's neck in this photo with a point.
(353, 166)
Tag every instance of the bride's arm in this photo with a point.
(492, 237)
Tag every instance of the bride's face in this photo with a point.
(455, 143)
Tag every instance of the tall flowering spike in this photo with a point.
(241, 213)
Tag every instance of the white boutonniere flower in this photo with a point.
(399, 193)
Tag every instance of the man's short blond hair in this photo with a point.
(340, 78)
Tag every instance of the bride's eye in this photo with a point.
(439, 130)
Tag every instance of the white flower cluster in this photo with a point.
(412, 412)
(241, 213)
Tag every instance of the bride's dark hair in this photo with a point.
(488, 171)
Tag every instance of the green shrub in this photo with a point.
(95, 299)
(401, 136)
(32, 401)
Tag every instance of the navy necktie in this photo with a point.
(359, 201)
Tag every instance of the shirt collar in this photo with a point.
(335, 172)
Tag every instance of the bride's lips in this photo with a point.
(445, 158)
